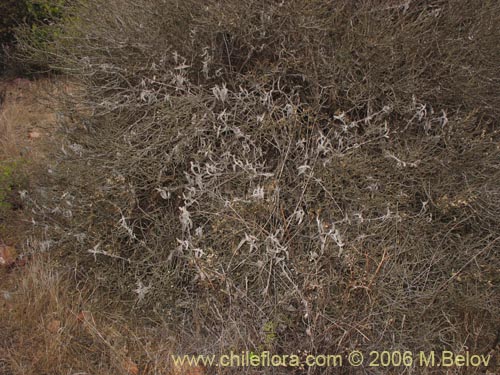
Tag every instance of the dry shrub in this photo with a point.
(303, 176)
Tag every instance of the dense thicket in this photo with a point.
(33, 17)
(300, 175)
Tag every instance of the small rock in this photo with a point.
(83, 316)
(130, 367)
(54, 326)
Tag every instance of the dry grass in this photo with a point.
(51, 327)
(27, 124)
(25, 111)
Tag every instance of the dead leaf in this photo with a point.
(186, 370)
(54, 326)
(195, 371)
(21, 262)
(34, 134)
(83, 316)
(8, 255)
(22, 82)
(130, 367)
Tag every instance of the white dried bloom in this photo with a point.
(313, 255)
(299, 215)
(179, 80)
(324, 145)
(250, 239)
(332, 234)
(45, 245)
(185, 219)
(443, 119)
(76, 148)
(401, 163)
(359, 217)
(80, 237)
(303, 168)
(206, 60)
(124, 225)
(340, 117)
(176, 56)
(289, 110)
(183, 246)
(258, 193)
(182, 67)
(141, 290)
(144, 96)
(220, 93)
(163, 193)
(211, 169)
(198, 232)
(301, 143)
(274, 246)
(387, 109)
(198, 253)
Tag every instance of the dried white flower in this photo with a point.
(289, 110)
(250, 239)
(324, 145)
(258, 193)
(198, 232)
(303, 168)
(299, 215)
(124, 225)
(185, 219)
(332, 233)
(141, 290)
(163, 193)
(198, 253)
(220, 93)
